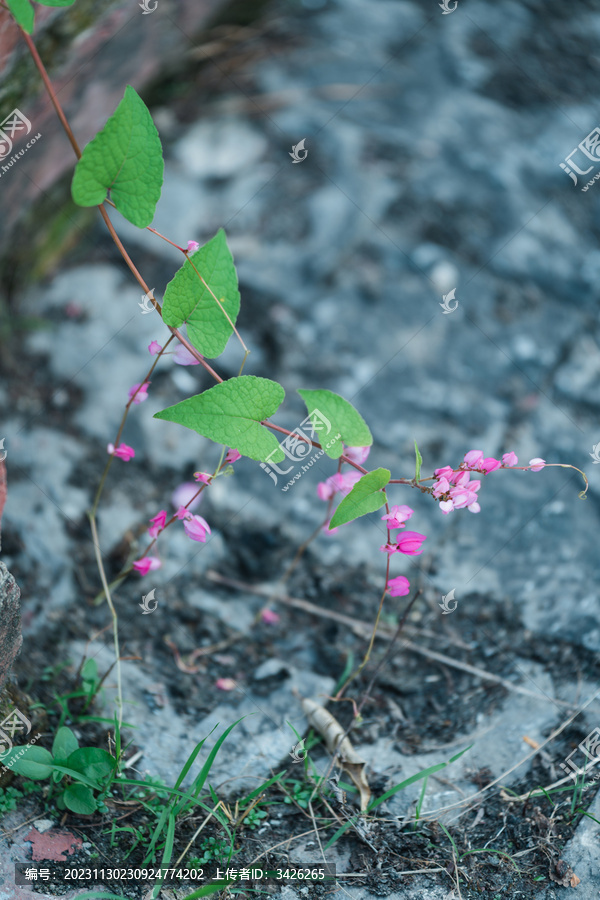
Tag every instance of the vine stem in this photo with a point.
(113, 613)
(367, 655)
(136, 274)
(54, 99)
(127, 570)
(120, 431)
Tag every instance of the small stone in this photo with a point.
(270, 668)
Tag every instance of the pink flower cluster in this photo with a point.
(194, 526)
(454, 488)
(407, 542)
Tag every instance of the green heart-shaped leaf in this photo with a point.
(344, 420)
(231, 412)
(124, 158)
(365, 497)
(188, 300)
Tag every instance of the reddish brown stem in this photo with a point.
(52, 95)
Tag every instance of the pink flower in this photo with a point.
(158, 523)
(474, 458)
(147, 564)
(537, 464)
(462, 496)
(347, 482)
(232, 456)
(509, 460)
(446, 506)
(337, 482)
(445, 472)
(441, 486)
(398, 587)
(182, 495)
(398, 515)
(390, 548)
(325, 491)
(122, 451)
(225, 684)
(193, 246)
(474, 507)
(195, 526)
(204, 477)
(139, 392)
(409, 542)
(183, 357)
(154, 348)
(270, 617)
(357, 454)
(490, 464)
(460, 479)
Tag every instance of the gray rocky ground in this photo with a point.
(434, 143)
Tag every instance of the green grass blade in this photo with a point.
(403, 784)
(451, 839)
(458, 755)
(164, 815)
(421, 798)
(263, 787)
(341, 831)
(375, 803)
(198, 782)
(345, 674)
(77, 776)
(584, 813)
(191, 758)
(167, 854)
(103, 720)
